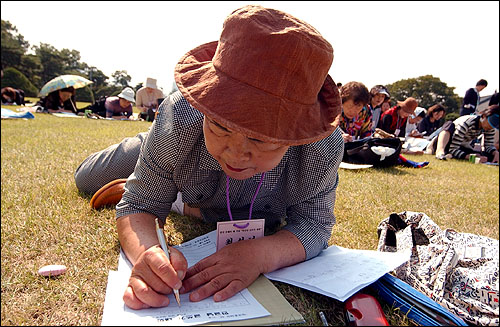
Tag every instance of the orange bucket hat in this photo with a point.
(409, 105)
(266, 77)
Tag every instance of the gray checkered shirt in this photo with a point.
(298, 194)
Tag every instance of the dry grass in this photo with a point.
(46, 221)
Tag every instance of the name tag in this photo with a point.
(396, 133)
(229, 232)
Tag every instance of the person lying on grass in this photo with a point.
(454, 141)
(251, 133)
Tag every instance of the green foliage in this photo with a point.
(96, 76)
(428, 90)
(85, 94)
(13, 45)
(49, 62)
(107, 91)
(50, 59)
(121, 77)
(31, 66)
(14, 78)
(451, 116)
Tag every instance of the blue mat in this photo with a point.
(7, 113)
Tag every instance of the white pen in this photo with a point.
(163, 244)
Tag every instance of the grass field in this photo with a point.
(46, 221)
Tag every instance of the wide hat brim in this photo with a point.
(126, 97)
(250, 110)
(408, 106)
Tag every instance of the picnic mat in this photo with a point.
(10, 114)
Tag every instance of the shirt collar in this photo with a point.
(272, 176)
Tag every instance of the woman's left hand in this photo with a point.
(226, 272)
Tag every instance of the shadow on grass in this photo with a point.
(393, 170)
(86, 196)
(188, 227)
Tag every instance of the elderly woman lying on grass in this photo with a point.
(246, 136)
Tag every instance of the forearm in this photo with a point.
(280, 250)
(136, 233)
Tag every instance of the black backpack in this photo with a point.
(97, 107)
(362, 152)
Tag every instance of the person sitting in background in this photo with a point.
(378, 96)
(59, 101)
(146, 99)
(454, 141)
(431, 121)
(393, 121)
(355, 120)
(412, 122)
(120, 106)
(12, 96)
(471, 98)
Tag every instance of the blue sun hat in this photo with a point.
(493, 120)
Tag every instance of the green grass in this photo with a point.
(46, 221)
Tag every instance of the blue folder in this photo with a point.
(416, 305)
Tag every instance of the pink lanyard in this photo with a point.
(251, 203)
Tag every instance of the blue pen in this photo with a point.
(163, 244)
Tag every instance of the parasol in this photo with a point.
(63, 81)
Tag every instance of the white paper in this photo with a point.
(415, 143)
(240, 306)
(339, 272)
(346, 165)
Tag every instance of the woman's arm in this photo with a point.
(153, 274)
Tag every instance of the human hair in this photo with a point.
(435, 108)
(9, 91)
(491, 110)
(68, 89)
(482, 82)
(355, 91)
(377, 89)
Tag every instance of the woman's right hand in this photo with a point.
(347, 137)
(153, 277)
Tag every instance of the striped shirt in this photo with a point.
(468, 128)
(298, 194)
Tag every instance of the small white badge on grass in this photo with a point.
(52, 270)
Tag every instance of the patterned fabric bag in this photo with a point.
(457, 270)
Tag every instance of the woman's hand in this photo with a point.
(237, 265)
(346, 137)
(153, 276)
(226, 272)
(415, 133)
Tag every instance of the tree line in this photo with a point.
(31, 71)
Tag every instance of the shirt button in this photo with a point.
(267, 207)
(199, 197)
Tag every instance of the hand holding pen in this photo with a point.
(163, 244)
(155, 272)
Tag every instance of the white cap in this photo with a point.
(418, 111)
(127, 94)
(151, 82)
